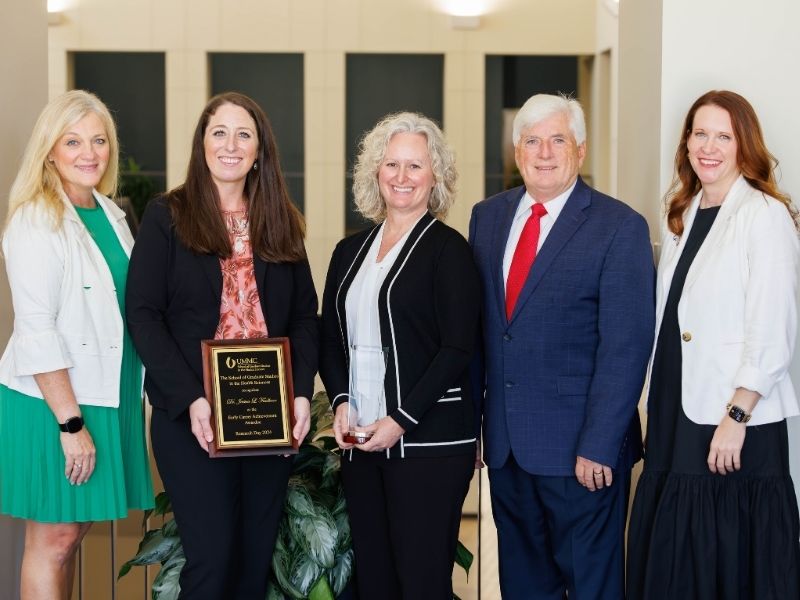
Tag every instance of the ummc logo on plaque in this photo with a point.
(243, 363)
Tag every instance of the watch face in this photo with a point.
(737, 414)
(73, 425)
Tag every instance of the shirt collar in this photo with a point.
(554, 206)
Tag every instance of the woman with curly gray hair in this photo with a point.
(399, 324)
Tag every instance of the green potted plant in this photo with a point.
(313, 556)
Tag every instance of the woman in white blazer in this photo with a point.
(72, 445)
(715, 513)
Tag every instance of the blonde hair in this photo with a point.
(372, 150)
(38, 179)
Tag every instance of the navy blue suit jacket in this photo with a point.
(562, 377)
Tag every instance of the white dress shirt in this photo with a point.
(546, 223)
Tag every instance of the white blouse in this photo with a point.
(367, 356)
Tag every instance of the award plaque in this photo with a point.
(248, 384)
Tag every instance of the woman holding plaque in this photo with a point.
(71, 421)
(715, 513)
(400, 317)
(221, 257)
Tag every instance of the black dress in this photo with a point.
(695, 535)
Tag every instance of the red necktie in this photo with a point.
(524, 255)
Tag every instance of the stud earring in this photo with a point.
(255, 166)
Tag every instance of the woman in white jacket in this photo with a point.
(72, 445)
(715, 513)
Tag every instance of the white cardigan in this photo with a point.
(66, 314)
(738, 310)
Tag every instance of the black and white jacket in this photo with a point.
(429, 307)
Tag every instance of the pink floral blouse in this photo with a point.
(240, 314)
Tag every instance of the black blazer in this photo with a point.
(173, 302)
(429, 306)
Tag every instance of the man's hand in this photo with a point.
(592, 475)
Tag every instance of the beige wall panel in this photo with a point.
(23, 69)
(169, 24)
(342, 24)
(120, 25)
(201, 22)
(307, 25)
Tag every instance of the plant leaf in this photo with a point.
(274, 592)
(305, 572)
(170, 528)
(282, 570)
(331, 472)
(342, 522)
(166, 585)
(321, 590)
(316, 533)
(153, 548)
(342, 571)
(163, 504)
(463, 558)
(298, 501)
(309, 459)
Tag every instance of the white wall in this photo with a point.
(671, 54)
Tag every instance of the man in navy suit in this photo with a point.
(568, 323)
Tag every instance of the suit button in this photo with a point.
(507, 337)
(686, 336)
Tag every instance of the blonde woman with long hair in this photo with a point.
(71, 426)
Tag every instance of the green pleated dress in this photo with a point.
(32, 481)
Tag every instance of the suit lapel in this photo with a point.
(501, 232)
(567, 223)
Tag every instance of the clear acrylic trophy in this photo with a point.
(367, 395)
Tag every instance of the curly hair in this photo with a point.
(754, 161)
(372, 149)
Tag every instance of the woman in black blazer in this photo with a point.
(400, 314)
(221, 256)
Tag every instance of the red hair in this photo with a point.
(754, 161)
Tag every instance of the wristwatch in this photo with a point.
(737, 414)
(71, 425)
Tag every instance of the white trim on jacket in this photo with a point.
(66, 314)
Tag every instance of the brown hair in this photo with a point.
(754, 161)
(276, 226)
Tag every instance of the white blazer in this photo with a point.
(738, 311)
(66, 314)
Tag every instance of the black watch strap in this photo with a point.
(71, 425)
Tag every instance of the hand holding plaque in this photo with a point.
(248, 384)
(367, 398)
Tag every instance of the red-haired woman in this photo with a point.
(715, 513)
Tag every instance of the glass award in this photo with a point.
(367, 397)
